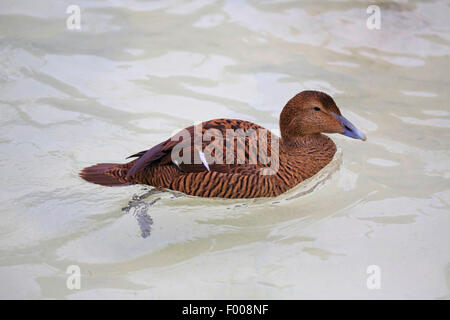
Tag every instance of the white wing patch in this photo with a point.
(202, 157)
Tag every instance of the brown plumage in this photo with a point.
(234, 168)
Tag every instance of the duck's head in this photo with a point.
(313, 112)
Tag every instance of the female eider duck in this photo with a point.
(230, 158)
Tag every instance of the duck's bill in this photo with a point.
(350, 130)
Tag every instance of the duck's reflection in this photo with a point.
(139, 208)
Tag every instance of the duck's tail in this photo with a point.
(106, 174)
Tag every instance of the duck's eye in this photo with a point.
(317, 108)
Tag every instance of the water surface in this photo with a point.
(137, 72)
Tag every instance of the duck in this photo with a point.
(231, 158)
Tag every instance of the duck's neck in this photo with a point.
(302, 157)
(289, 143)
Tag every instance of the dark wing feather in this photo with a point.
(161, 153)
(157, 154)
(137, 155)
(147, 158)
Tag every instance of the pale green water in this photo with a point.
(135, 73)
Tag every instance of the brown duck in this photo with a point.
(212, 160)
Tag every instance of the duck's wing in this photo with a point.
(251, 149)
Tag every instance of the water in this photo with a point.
(136, 73)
